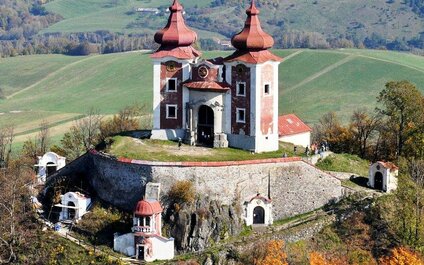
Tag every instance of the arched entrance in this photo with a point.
(50, 169)
(258, 215)
(205, 129)
(71, 211)
(378, 181)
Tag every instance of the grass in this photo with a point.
(326, 16)
(345, 163)
(56, 87)
(115, 16)
(157, 150)
(295, 218)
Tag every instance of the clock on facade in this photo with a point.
(203, 71)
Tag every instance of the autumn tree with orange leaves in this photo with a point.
(402, 256)
(273, 254)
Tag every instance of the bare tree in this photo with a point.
(7, 134)
(416, 171)
(43, 137)
(363, 126)
(89, 128)
(14, 196)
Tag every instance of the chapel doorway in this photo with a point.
(205, 128)
(71, 211)
(378, 181)
(51, 169)
(258, 215)
(140, 252)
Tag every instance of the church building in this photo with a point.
(217, 102)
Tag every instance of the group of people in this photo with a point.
(315, 149)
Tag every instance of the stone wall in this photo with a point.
(294, 185)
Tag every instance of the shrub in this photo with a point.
(182, 191)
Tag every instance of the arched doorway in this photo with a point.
(51, 169)
(378, 181)
(258, 215)
(205, 129)
(71, 211)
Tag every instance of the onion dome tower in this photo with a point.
(252, 43)
(176, 38)
(252, 71)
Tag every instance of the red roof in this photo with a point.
(252, 42)
(260, 197)
(253, 57)
(176, 34)
(178, 52)
(208, 85)
(147, 208)
(388, 165)
(291, 124)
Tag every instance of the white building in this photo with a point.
(48, 164)
(218, 102)
(74, 205)
(293, 130)
(258, 211)
(146, 241)
(383, 176)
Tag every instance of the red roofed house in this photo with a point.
(146, 241)
(220, 102)
(293, 130)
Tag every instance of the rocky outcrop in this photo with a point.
(202, 224)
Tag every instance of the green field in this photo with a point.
(312, 82)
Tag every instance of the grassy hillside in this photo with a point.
(358, 19)
(312, 82)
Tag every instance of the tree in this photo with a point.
(126, 120)
(6, 140)
(89, 128)
(416, 171)
(363, 127)
(273, 254)
(14, 210)
(331, 130)
(43, 137)
(403, 104)
(402, 256)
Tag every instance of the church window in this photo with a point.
(171, 85)
(241, 115)
(171, 111)
(267, 89)
(241, 89)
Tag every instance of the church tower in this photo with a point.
(252, 72)
(171, 68)
(217, 102)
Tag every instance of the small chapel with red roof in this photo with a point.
(217, 102)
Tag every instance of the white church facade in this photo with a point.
(220, 102)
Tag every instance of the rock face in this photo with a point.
(201, 224)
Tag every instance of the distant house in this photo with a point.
(147, 10)
(383, 176)
(293, 130)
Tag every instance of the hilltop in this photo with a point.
(59, 26)
(312, 82)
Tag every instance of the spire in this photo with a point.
(175, 33)
(252, 37)
(252, 43)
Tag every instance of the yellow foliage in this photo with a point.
(274, 254)
(316, 258)
(402, 256)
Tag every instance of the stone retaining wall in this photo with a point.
(295, 186)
